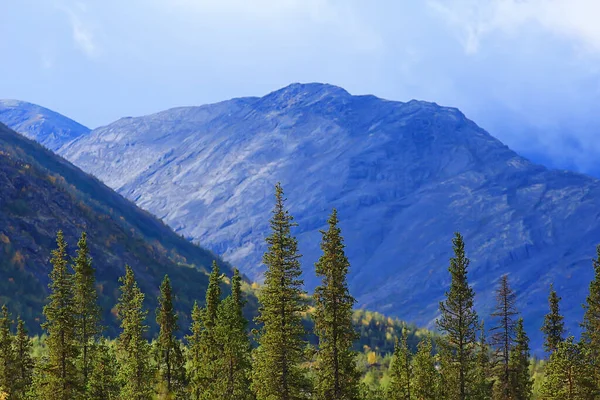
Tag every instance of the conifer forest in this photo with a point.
(298, 345)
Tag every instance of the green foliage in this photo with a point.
(278, 373)
(85, 307)
(195, 355)
(554, 326)
(336, 374)
(521, 383)
(504, 336)
(60, 375)
(425, 376)
(458, 319)
(135, 372)
(400, 372)
(567, 375)
(8, 373)
(23, 362)
(234, 363)
(483, 383)
(169, 356)
(103, 375)
(590, 334)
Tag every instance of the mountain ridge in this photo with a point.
(404, 177)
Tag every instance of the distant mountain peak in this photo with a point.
(45, 126)
(305, 94)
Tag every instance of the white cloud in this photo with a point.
(476, 19)
(82, 29)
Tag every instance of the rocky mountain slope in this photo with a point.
(45, 126)
(42, 193)
(403, 176)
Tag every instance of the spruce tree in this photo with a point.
(521, 382)
(61, 378)
(210, 348)
(103, 376)
(8, 373)
(24, 364)
(195, 355)
(278, 373)
(170, 363)
(87, 311)
(134, 352)
(590, 334)
(424, 372)
(234, 363)
(400, 371)
(554, 326)
(459, 320)
(504, 335)
(482, 385)
(336, 373)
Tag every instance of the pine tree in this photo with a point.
(336, 373)
(521, 382)
(482, 389)
(504, 335)
(400, 371)
(61, 379)
(87, 311)
(459, 320)
(134, 352)
(195, 355)
(102, 382)
(7, 355)
(278, 373)
(567, 376)
(590, 334)
(554, 326)
(235, 362)
(23, 366)
(424, 372)
(170, 365)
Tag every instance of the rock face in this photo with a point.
(42, 193)
(40, 124)
(403, 176)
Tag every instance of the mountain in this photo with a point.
(42, 193)
(403, 176)
(40, 124)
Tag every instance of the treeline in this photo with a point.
(218, 360)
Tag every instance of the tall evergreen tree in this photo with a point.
(235, 362)
(7, 356)
(459, 320)
(103, 375)
(567, 376)
(400, 371)
(170, 365)
(424, 372)
(135, 370)
(336, 374)
(278, 373)
(210, 348)
(521, 382)
(504, 335)
(482, 385)
(590, 334)
(23, 366)
(554, 326)
(61, 380)
(195, 355)
(86, 309)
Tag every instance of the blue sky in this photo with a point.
(528, 71)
